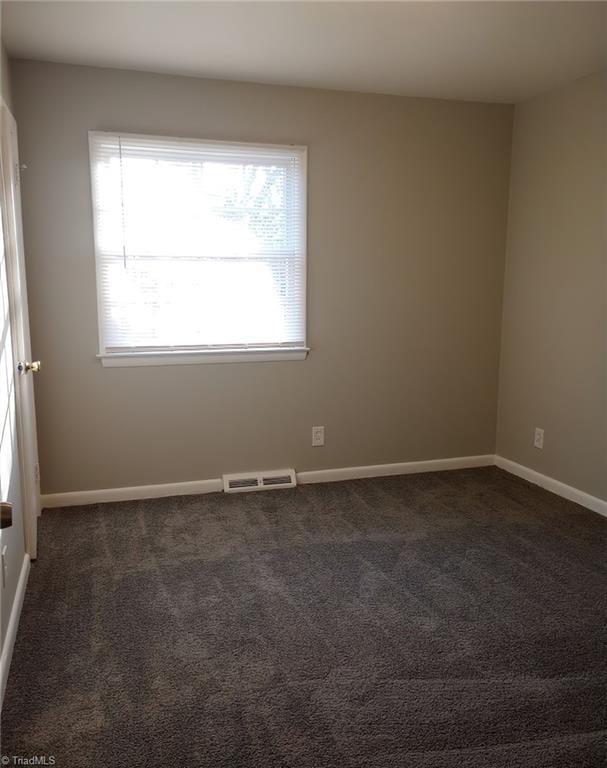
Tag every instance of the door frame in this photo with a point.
(10, 186)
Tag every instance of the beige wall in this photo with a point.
(554, 340)
(407, 216)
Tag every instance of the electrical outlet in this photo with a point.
(538, 440)
(318, 437)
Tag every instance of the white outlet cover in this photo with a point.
(318, 437)
(538, 440)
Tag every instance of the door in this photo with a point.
(12, 539)
(19, 485)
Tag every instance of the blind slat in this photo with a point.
(199, 245)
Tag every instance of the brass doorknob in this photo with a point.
(33, 367)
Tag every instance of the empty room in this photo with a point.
(303, 384)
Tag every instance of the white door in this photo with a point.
(19, 486)
(22, 352)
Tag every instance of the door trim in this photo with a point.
(13, 624)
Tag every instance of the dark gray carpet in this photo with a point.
(444, 620)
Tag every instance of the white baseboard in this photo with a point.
(13, 624)
(550, 484)
(76, 498)
(401, 468)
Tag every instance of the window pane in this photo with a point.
(198, 244)
(193, 302)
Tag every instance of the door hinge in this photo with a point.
(18, 169)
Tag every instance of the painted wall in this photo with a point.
(554, 339)
(406, 234)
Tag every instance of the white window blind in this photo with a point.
(200, 246)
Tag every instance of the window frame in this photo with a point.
(194, 356)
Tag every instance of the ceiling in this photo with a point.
(482, 51)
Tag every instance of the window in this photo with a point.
(200, 249)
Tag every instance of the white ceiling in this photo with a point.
(486, 51)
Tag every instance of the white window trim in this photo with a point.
(201, 356)
(196, 357)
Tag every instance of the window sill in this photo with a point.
(128, 359)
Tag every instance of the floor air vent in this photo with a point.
(259, 481)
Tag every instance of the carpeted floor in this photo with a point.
(447, 620)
